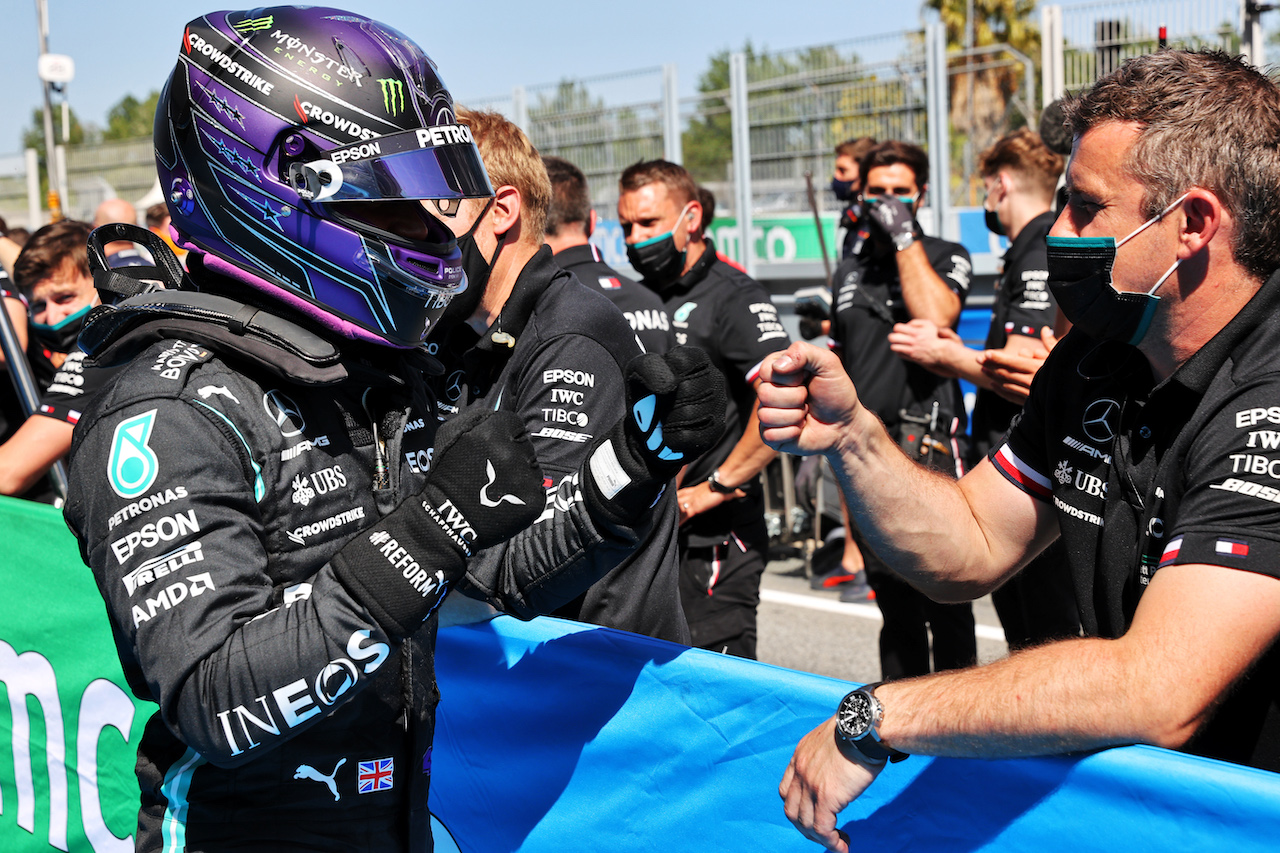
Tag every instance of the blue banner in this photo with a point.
(556, 737)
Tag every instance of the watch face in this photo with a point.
(853, 719)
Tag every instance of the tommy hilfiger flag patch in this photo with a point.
(1232, 548)
(376, 775)
(1170, 552)
(610, 283)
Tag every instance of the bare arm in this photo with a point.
(926, 295)
(952, 540)
(31, 452)
(9, 252)
(747, 459)
(1062, 697)
(941, 351)
(1009, 371)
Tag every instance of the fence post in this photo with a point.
(741, 122)
(1053, 71)
(34, 219)
(1252, 44)
(939, 123)
(520, 109)
(672, 148)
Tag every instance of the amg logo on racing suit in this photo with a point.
(166, 529)
(303, 446)
(146, 504)
(165, 564)
(300, 700)
(171, 596)
(300, 534)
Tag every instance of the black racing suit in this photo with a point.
(641, 306)
(210, 494)
(564, 377)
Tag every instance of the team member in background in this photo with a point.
(1021, 175)
(52, 272)
(717, 307)
(901, 275)
(570, 223)
(269, 512)
(1165, 261)
(530, 338)
(846, 186)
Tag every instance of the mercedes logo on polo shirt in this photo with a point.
(1100, 419)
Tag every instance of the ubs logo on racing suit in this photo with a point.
(132, 466)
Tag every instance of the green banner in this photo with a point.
(777, 239)
(70, 725)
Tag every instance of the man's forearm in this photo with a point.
(923, 523)
(926, 295)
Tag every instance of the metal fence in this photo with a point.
(780, 114)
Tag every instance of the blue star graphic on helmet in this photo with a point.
(221, 104)
(269, 214)
(234, 157)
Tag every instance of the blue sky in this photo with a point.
(483, 49)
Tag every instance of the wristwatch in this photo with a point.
(716, 486)
(857, 728)
(903, 240)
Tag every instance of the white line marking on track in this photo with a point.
(862, 611)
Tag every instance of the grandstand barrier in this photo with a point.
(554, 736)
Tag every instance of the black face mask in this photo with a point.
(843, 190)
(993, 223)
(477, 269)
(60, 337)
(657, 259)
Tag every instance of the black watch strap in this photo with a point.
(867, 748)
(716, 486)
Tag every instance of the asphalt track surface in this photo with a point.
(813, 631)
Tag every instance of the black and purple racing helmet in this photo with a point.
(302, 150)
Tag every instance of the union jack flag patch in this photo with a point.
(375, 775)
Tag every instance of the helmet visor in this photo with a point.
(426, 163)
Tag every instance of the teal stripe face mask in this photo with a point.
(1080, 279)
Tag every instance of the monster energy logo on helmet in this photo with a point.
(392, 95)
(254, 25)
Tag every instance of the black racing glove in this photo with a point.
(675, 413)
(894, 219)
(812, 306)
(484, 486)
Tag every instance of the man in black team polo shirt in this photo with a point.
(717, 307)
(1165, 396)
(570, 222)
(897, 276)
(1021, 175)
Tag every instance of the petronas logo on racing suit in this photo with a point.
(132, 466)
